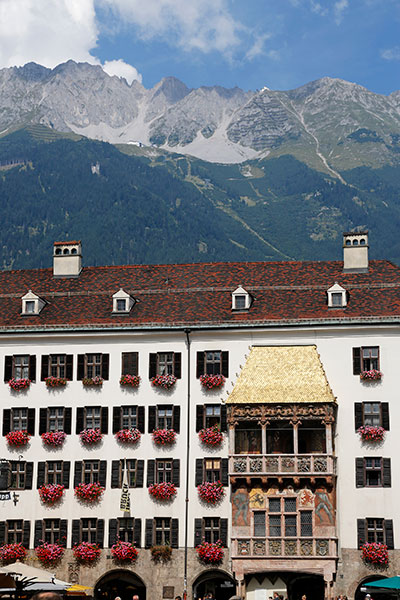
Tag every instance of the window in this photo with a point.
(165, 363)
(212, 362)
(312, 437)
(337, 296)
(55, 419)
(54, 472)
(163, 471)
(93, 364)
(306, 527)
(89, 530)
(129, 417)
(284, 519)
(373, 472)
(130, 362)
(280, 438)
(241, 299)
(162, 531)
(17, 477)
(259, 523)
(209, 415)
(133, 470)
(365, 358)
(373, 529)
(57, 365)
(164, 417)
(371, 413)
(91, 471)
(122, 302)
(240, 302)
(211, 529)
(31, 304)
(51, 531)
(121, 305)
(247, 438)
(20, 366)
(126, 530)
(14, 531)
(92, 417)
(19, 419)
(212, 469)
(131, 465)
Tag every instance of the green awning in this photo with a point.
(390, 583)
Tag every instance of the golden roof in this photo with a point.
(282, 374)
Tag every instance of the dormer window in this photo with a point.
(337, 296)
(241, 300)
(31, 304)
(122, 302)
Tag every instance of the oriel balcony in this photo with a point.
(280, 465)
(302, 548)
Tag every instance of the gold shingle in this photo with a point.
(282, 374)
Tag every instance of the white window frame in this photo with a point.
(333, 292)
(29, 301)
(239, 292)
(122, 295)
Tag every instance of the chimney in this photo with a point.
(67, 259)
(355, 252)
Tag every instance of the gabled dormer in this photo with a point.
(32, 304)
(241, 299)
(122, 302)
(337, 296)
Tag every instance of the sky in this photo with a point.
(280, 44)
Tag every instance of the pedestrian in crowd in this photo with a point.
(135, 597)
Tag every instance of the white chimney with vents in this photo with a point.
(67, 259)
(355, 251)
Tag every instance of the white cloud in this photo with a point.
(339, 7)
(391, 53)
(258, 46)
(317, 8)
(122, 69)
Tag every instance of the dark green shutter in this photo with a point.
(137, 533)
(356, 361)
(175, 472)
(32, 367)
(41, 474)
(38, 533)
(80, 412)
(151, 468)
(44, 371)
(360, 472)
(67, 420)
(76, 532)
(115, 470)
(103, 473)
(152, 419)
(199, 471)
(152, 365)
(31, 421)
(223, 532)
(199, 417)
(389, 534)
(198, 528)
(387, 476)
(69, 367)
(28, 475)
(177, 365)
(26, 535)
(385, 416)
(175, 533)
(100, 532)
(63, 532)
(42, 421)
(78, 473)
(224, 471)
(140, 419)
(80, 374)
(8, 365)
(148, 538)
(225, 364)
(104, 419)
(6, 421)
(224, 425)
(199, 364)
(139, 473)
(105, 364)
(112, 531)
(66, 473)
(358, 415)
(176, 418)
(116, 419)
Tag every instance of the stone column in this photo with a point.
(231, 440)
(329, 444)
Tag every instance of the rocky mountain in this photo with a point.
(328, 124)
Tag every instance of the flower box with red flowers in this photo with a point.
(87, 552)
(211, 382)
(130, 381)
(161, 553)
(91, 436)
(164, 381)
(210, 552)
(55, 382)
(92, 381)
(51, 493)
(89, 492)
(49, 554)
(53, 438)
(164, 437)
(370, 433)
(372, 375)
(124, 552)
(211, 436)
(128, 436)
(10, 553)
(375, 553)
(211, 492)
(19, 384)
(162, 491)
(18, 438)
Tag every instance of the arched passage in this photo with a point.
(312, 586)
(120, 582)
(359, 595)
(218, 583)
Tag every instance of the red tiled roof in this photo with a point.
(196, 294)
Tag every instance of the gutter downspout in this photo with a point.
(185, 572)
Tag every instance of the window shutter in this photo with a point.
(105, 364)
(148, 538)
(2, 532)
(199, 471)
(151, 467)
(42, 421)
(38, 533)
(358, 415)
(8, 365)
(224, 426)
(6, 421)
(152, 365)
(78, 473)
(199, 417)
(177, 419)
(140, 419)
(177, 365)
(76, 532)
(175, 472)
(356, 361)
(41, 474)
(137, 533)
(199, 366)
(44, 371)
(152, 419)
(197, 532)
(79, 420)
(130, 363)
(387, 476)
(115, 465)
(66, 473)
(359, 472)
(31, 421)
(63, 532)
(26, 534)
(69, 364)
(112, 531)
(103, 473)
(67, 420)
(32, 367)
(28, 475)
(225, 364)
(175, 533)
(223, 532)
(224, 472)
(116, 419)
(139, 473)
(80, 374)
(389, 534)
(385, 415)
(104, 419)
(100, 533)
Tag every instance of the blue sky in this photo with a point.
(280, 44)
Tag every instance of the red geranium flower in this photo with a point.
(164, 381)
(162, 491)
(49, 554)
(211, 492)
(9, 553)
(18, 438)
(212, 381)
(87, 552)
(51, 493)
(124, 552)
(164, 437)
(90, 492)
(375, 553)
(212, 436)
(128, 436)
(54, 438)
(210, 553)
(130, 380)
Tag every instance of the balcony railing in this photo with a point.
(284, 547)
(282, 464)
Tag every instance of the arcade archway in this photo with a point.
(120, 582)
(359, 595)
(218, 583)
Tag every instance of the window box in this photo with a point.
(49, 554)
(92, 381)
(211, 492)
(164, 381)
(369, 433)
(210, 552)
(212, 381)
(54, 438)
(375, 553)
(87, 552)
(18, 438)
(162, 491)
(51, 493)
(55, 382)
(91, 436)
(164, 437)
(128, 436)
(211, 436)
(90, 492)
(130, 381)
(124, 552)
(19, 384)
(372, 375)
(10, 553)
(161, 553)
